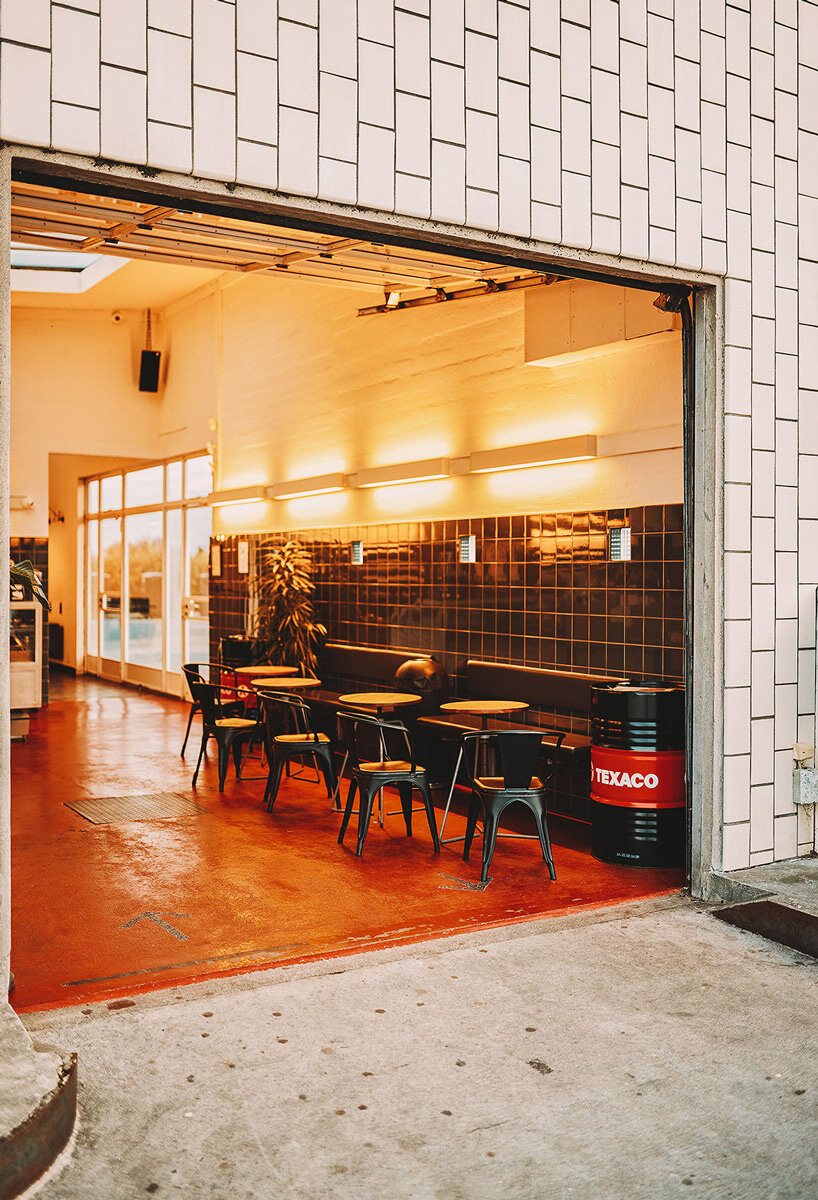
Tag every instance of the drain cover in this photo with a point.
(154, 806)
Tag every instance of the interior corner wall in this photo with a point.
(306, 387)
(74, 391)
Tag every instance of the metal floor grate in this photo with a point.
(155, 806)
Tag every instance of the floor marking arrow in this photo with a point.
(157, 919)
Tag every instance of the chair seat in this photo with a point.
(493, 783)
(300, 738)
(235, 723)
(391, 766)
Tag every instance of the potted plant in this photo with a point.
(284, 625)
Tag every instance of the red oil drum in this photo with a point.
(638, 775)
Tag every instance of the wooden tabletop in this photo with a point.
(483, 708)
(378, 700)
(272, 672)
(291, 681)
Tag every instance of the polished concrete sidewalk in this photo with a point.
(636, 1053)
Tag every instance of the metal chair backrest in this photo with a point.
(519, 754)
(390, 734)
(284, 712)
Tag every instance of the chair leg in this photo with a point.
(426, 793)
(237, 746)
(224, 755)
(324, 761)
(365, 803)
(273, 782)
(471, 825)
(545, 842)
(187, 731)
(199, 759)
(405, 793)
(492, 821)
(348, 810)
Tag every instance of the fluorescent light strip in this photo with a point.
(316, 485)
(414, 472)
(537, 454)
(242, 495)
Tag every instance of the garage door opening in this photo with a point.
(391, 407)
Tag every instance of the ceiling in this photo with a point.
(205, 245)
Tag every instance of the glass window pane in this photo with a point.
(93, 496)
(199, 521)
(173, 534)
(110, 548)
(174, 481)
(143, 487)
(92, 591)
(198, 476)
(111, 492)
(143, 536)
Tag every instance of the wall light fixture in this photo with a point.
(316, 485)
(413, 472)
(536, 454)
(242, 495)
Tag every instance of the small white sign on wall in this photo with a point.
(243, 564)
(215, 560)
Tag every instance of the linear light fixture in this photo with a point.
(536, 454)
(413, 472)
(316, 485)
(241, 495)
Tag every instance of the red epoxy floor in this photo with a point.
(245, 888)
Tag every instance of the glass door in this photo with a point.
(144, 626)
(196, 604)
(109, 601)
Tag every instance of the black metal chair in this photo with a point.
(369, 776)
(519, 753)
(289, 734)
(229, 730)
(202, 673)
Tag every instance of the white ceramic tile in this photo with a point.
(412, 53)
(337, 39)
(75, 58)
(786, 254)
(662, 179)
(808, 559)
(761, 817)
(737, 721)
(605, 184)
(713, 68)
(761, 770)
(738, 178)
(661, 122)
(298, 151)
(545, 165)
(763, 489)
(762, 693)
(413, 195)
(338, 118)
(714, 205)
(688, 92)
(736, 654)
(513, 42)
(633, 80)
(298, 67)
(305, 11)
(27, 21)
(735, 855)
(786, 586)
(576, 136)
(762, 86)
(808, 98)
(633, 20)
(762, 630)
(737, 516)
(376, 165)
(447, 36)
(737, 788)
(737, 379)
(634, 222)
(761, 858)
(786, 453)
(176, 16)
(660, 51)
(738, 110)
(376, 21)
(448, 182)
(786, 59)
(737, 464)
(170, 147)
(761, 24)
(482, 166)
(412, 134)
(786, 730)
(124, 115)
(545, 27)
(606, 234)
(763, 217)
(169, 78)
(688, 165)
(714, 140)
(786, 344)
(807, 357)
(688, 233)
(786, 124)
(124, 25)
(806, 631)
(75, 129)
(763, 153)
(763, 400)
(714, 256)
(763, 557)
(736, 587)
(376, 84)
(807, 828)
(577, 11)
(605, 117)
(785, 834)
(662, 244)
(514, 122)
(737, 313)
(808, 486)
(481, 72)
(576, 209)
(214, 134)
(806, 681)
(634, 150)
(545, 90)
(576, 61)
(448, 103)
(482, 15)
(808, 427)
(482, 209)
(786, 518)
(256, 29)
(763, 339)
(515, 196)
(337, 180)
(605, 35)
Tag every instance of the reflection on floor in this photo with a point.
(106, 910)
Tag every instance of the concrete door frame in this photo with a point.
(705, 773)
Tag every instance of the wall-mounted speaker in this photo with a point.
(149, 371)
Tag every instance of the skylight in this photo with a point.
(38, 270)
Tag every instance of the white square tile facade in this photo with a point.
(684, 133)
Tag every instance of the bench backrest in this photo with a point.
(374, 663)
(537, 687)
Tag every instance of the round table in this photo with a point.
(260, 670)
(381, 702)
(291, 682)
(477, 708)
